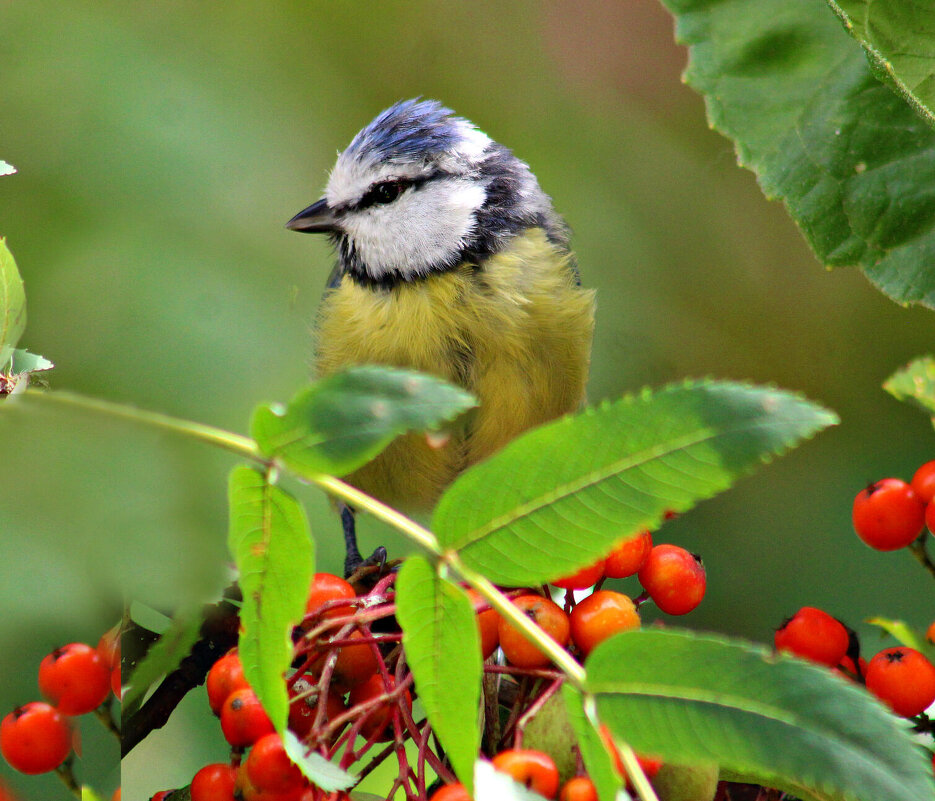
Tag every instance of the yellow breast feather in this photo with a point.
(516, 332)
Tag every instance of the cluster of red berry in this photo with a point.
(76, 679)
(890, 514)
(901, 677)
(350, 688)
(671, 577)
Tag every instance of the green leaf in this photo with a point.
(270, 541)
(12, 304)
(172, 647)
(897, 46)
(854, 164)
(560, 496)
(318, 770)
(443, 651)
(6, 168)
(904, 634)
(25, 362)
(915, 383)
(785, 722)
(87, 794)
(343, 421)
(595, 756)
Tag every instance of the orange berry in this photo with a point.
(534, 769)
(601, 615)
(628, 557)
(548, 616)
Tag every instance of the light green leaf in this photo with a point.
(915, 383)
(596, 759)
(25, 362)
(172, 647)
(318, 770)
(443, 651)
(87, 794)
(904, 634)
(785, 722)
(270, 541)
(6, 168)
(12, 304)
(898, 46)
(342, 421)
(562, 495)
(854, 164)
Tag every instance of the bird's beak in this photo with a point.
(316, 219)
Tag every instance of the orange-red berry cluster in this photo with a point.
(901, 677)
(75, 679)
(890, 514)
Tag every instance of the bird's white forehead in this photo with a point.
(356, 171)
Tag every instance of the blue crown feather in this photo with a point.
(410, 130)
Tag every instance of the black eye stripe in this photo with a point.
(386, 192)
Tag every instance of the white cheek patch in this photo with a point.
(422, 229)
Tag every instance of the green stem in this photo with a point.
(236, 443)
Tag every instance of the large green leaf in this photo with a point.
(443, 651)
(270, 541)
(854, 164)
(915, 383)
(560, 496)
(899, 44)
(12, 304)
(781, 721)
(344, 420)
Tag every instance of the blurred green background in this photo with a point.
(162, 146)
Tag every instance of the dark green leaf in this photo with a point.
(595, 756)
(341, 422)
(270, 541)
(560, 496)
(897, 45)
(854, 164)
(915, 383)
(443, 651)
(324, 774)
(787, 723)
(164, 657)
(12, 304)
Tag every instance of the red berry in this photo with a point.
(930, 633)
(903, 679)
(354, 664)
(923, 482)
(548, 616)
(327, 587)
(214, 783)
(599, 616)
(243, 719)
(534, 769)
(161, 795)
(814, 635)
(225, 676)
(580, 788)
(888, 514)
(378, 723)
(930, 516)
(269, 767)
(674, 578)
(35, 738)
(303, 707)
(627, 558)
(75, 678)
(488, 623)
(584, 578)
(451, 792)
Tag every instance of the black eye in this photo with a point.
(382, 193)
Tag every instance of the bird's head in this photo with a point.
(418, 191)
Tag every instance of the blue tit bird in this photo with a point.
(450, 260)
